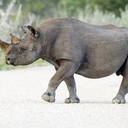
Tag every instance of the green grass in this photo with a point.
(4, 66)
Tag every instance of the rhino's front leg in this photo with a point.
(71, 85)
(66, 69)
(120, 97)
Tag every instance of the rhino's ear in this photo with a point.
(4, 46)
(33, 30)
(25, 29)
(14, 40)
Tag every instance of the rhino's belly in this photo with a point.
(93, 73)
(99, 71)
(103, 60)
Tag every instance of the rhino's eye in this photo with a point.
(22, 49)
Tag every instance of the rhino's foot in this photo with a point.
(72, 100)
(118, 100)
(48, 97)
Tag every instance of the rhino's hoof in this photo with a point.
(71, 100)
(118, 100)
(48, 97)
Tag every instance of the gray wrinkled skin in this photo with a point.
(72, 46)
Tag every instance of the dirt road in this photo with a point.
(21, 105)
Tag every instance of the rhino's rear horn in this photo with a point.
(14, 40)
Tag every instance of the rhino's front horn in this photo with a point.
(14, 40)
(4, 46)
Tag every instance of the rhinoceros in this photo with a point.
(73, 46)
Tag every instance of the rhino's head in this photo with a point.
(23, 51)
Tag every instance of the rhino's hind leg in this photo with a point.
(71, 85)
(120, 97)
(118, 100)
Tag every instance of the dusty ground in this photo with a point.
(21, 105)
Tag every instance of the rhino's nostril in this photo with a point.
(8, 59)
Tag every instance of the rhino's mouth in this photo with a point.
(9, 62)
(13, 64)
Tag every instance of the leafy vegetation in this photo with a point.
(113, 6)
(50, 7)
